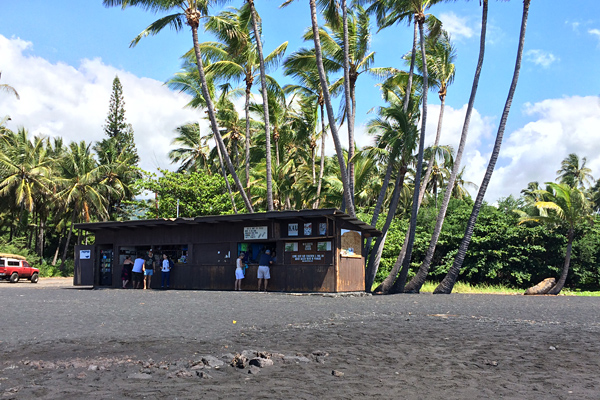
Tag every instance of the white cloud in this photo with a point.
(456, 26)
(72, 102)
(534, 152)
(480, 130)
(541, 57)
(596, 33)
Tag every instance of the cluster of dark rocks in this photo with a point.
(250, 361)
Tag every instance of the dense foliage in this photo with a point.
(502, 252)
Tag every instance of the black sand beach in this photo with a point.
(60, 342)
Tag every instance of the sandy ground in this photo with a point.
(61, 342)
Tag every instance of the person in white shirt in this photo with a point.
(166, 272)
(239, 271)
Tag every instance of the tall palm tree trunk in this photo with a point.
(263, 82)
(322, 161)
(211, 114)
(447, 284)
(411, 69)
(389, 280)
(414, 286)
(224, 173)
(330, 114)
(349, 108)
(64, 255)
(563, 276)
(399, 285)
(247, 149)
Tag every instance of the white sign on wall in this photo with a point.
(85, 254)
(255, 232)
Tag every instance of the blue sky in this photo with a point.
(61, 56)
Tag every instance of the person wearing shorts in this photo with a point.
(137, 272)
(264, 273)
(149, 270)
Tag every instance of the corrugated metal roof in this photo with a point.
(217, 219)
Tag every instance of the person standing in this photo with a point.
(239, 271)
(149, 271)
(126, 271)
(166, 272)
(264, 272)
(138, 272)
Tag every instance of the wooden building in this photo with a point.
(314, 250)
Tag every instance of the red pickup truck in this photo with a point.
(14, 267)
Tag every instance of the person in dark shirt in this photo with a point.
(149, 270)
(264, 273)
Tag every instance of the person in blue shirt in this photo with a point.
(264, 273)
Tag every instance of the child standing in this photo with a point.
(239, 271)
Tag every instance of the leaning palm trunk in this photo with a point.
(263, 82)
(224, 173)
(211, 113)
(433, 153)
(411, 70)
(414, 286)
(349, 107)
(322, 161)
(330, 114)
(389, 280)
(375, 257)
(370, 274)
(563, 277)
(447, 284)
(399, 285)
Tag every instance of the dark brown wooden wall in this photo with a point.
(351, 274)
(208, 270)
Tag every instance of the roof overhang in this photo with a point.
(218, 219)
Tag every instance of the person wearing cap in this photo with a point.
(264, 272)
(149, 270)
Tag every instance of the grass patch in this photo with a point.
(462, 287)
(576, 292)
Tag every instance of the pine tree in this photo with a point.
(116, 126)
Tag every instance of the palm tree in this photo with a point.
(574, 174)
(243, 60)
(355, 30)
(448, 282)
(420, 19)
(330, 114)
(25, 168)
(263, 82)
(397, 129)
(81, 188)
(7, 88)
(562, 205)
(441, 55)
(302, 66)
(192, 12)
(193, 151)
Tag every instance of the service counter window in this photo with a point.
(253, 251)
(178, 253)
